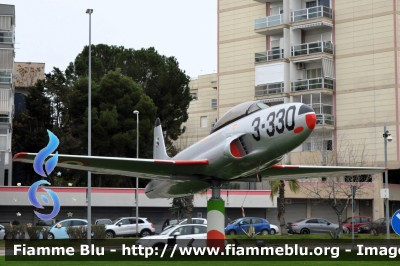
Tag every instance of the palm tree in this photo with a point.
(278, 187)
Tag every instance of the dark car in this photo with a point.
(50, 222)
(237, 226)
(378, 226)
(358, 221)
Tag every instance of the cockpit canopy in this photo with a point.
(237, 112)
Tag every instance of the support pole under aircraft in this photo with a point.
(216, 218)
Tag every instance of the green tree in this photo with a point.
(159, 76)
(162, 80)
(114, 98)
(278, 188)
(46, 109)
(29, 129)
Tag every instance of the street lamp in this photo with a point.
(137, 179)
(89, 182)
(387, 138)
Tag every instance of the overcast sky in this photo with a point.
(54, 32)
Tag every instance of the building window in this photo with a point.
(194, 96)
(203, 121)
(214, 103)
(311, 4)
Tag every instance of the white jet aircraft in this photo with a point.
(246, 144)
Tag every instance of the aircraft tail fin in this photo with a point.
(159, 151)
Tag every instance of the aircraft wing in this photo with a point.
(142, 168)
(305, 171)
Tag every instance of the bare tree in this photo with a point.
(337, 191)
(27, 74)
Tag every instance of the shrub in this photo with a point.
(251, 233)
(34, 232)
(99, 231)
(45, 232)
(76, 232)
(15, 231)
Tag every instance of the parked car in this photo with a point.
(102, 221)
(2, 233)
(179, 234)
(358, 221)
(126, 226)
(312, 226)
(378, 226)
(237, 226)
(274, 229)
(50, 222)
(59, 230)
(194, 221)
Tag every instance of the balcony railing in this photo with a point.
(312, 48)
(325, 119)
(268, 89)
(266, 22)
(269, 55)
(6, 37)
(312, 84)
(5, 77)
(312, 12)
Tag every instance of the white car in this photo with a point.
(274, 229)
(179, 234)
(2, 232)
(126, 226)
(194, 221)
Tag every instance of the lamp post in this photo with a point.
(89, 182)
(137, 179)
(387, 137)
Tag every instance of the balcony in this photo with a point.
(325, 120)
(266, 22)
(5, 77)
(312, 13)
(312, 48)
(267, 56)
(268, 89)
(312, 84)
(269, 25)
(6, 36)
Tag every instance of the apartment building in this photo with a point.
(7, 46)
(338, 56)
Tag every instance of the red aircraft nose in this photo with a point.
(311, 120)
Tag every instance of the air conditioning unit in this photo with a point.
(288, 201)
(300, 66)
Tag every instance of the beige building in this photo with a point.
(338, 56)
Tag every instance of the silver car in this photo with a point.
(2, 232)
(312, 226)
(126, 226)
(181, 235)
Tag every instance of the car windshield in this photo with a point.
(348, 220)
(167, 231)
(298, 221)
(234, 221)
(380, 220)
(116, 220)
